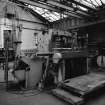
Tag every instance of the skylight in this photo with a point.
(47, 14)
(79, 7)
(92, 3)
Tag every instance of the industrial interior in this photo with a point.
(52, 52)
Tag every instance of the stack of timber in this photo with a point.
(74, 90)
(67, 96)
(85, 84)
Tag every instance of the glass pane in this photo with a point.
(53, 16)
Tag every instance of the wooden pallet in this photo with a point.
(85, 84)
(68, 97)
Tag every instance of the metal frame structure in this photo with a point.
(53, 9)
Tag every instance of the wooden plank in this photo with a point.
(68, 97)
(85, 84)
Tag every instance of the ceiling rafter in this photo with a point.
(93, 3)
(65, 7)
(71, 8)
(58, 4)
(48, 7)
(74, 6)
(97, 2)
(101, 2)
(81, 4)
(90, 3)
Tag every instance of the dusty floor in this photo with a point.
(29, 98)
(9, 98)
(37, 98)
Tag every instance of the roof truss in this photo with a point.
(73, 8)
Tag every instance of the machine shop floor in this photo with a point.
(7, 98)
(43, 98)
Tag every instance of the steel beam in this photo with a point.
(48, 7)
(29, 21)
(73, 15)
(81, 4)
(86, 24)
(36, 3)
(58, 4)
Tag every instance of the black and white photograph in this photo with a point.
(52, 52)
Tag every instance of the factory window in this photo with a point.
(8, 38)
(36, 39)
